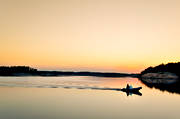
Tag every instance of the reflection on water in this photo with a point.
(82, 98)
(170, 87)
(64, 82)
(69, 82)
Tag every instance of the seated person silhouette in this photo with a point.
(128, 87)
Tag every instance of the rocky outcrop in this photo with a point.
(163, 74)
(160, 78)
(160, 75)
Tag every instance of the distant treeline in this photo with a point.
(28, 71)
(10, 70)
(170, 67)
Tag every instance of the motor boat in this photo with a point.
(130, 90)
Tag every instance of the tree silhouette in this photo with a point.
(170, 67)
(10, 70)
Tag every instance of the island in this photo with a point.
(28, 71)
(162, 71)
(161, 74)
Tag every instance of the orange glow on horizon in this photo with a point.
(108, 35)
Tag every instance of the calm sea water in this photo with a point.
(82, 98)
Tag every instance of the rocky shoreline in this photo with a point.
(159, 75)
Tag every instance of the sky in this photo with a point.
(90, 35)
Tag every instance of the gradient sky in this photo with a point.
(93, 35)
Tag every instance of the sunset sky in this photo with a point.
(91, 35)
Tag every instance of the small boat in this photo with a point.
(131, 89)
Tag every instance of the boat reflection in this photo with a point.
(131, 93)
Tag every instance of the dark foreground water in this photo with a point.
(83, 98)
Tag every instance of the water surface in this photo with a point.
(82, 98)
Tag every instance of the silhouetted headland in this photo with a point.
(28, 71)
(163, 71)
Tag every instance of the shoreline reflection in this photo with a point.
(169, 87)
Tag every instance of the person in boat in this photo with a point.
(129, 87)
